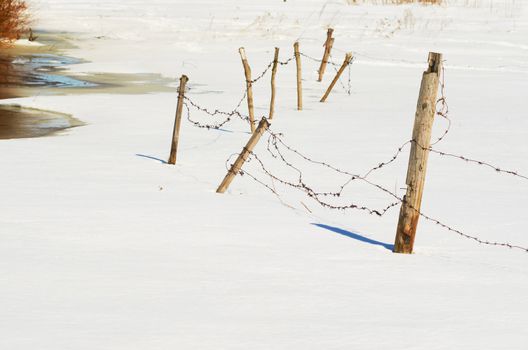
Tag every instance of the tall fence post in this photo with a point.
(328, 48)
(423, 125)
(273, 74)
(299, 75)
(177, 121)
(249, 88)
(246, 151)
(346, 62)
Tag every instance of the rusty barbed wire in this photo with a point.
(300, 185)
(348, 88)
(442, 107)
(442, 110)
(228, 115)
(276, 147)
(318, 60)
(268, 67)
(479, 162)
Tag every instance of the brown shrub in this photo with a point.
(13, 20)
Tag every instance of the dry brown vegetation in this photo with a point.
(13, 20)
(397, 2)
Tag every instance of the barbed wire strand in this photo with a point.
(312, 193)
(276, 139)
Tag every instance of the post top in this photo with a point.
(435, 62)
(242, 53)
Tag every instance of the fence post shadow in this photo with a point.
(355, 236)
(151, 157)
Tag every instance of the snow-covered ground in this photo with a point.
(104, 247)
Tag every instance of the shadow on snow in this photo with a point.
(355, 236)
(151, 157)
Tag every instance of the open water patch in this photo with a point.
(42, 69)
(23, 122)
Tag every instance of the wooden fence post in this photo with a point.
(249, 87)
(423, 125)
(346, 62)
(299, 75)
(328, 48)
(177, 121)
(273, 74)
(246, 151)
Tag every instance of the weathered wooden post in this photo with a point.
(249, 88)
(246, 151)
(299, 75)
(177, 121)
(273, 74)
(423, 125)
(346, 62)
(328, 48)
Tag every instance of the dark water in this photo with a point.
(27, 71)
(21, 122)
(38, 70)
(20, 74)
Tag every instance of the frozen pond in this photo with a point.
(27, 71)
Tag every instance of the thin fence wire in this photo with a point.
(300, 184)
(277, 148)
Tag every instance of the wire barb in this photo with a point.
(281, 151)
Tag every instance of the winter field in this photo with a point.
(104, 246)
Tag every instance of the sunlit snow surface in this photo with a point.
(103, 246)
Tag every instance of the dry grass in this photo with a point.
(397, 2)
(13, 20)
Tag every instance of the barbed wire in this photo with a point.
(442, 107)
(276, 147)
(348, 88)
(269, 66)
(498, 169)
(227, 115)
(301, 185)
(442, 110)
(319, 60)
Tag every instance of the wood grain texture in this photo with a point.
(423, 125)
(243, 156)
(273, 89)
(249, 88)
(346, 62)
(177, 121)
(299, 76)
(329, 43)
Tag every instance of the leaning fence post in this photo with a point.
(299, 75)
(177, 121)
(249, 88)
(423, 125)
(246, 151)
(328, 48)
(346, 62)
(273, 74)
